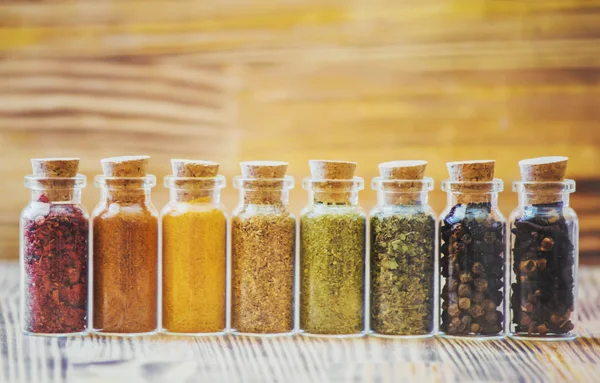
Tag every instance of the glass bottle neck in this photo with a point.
(550, 199)
(277, 197)
(207, 196)
(462, 198)
(342, 197)
(125, 195)
(400, 198)
(51, 195)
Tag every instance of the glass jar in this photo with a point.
(194, 257)
(125, 255)
(263, 242)
(54, 257)
(332, 259)
(544, 261)
(472, 263)
(403, 261)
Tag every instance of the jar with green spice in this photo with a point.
(403, 272)
(263, 244)
(332, 252)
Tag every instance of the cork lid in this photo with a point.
(331, 170)
(403, 170)
(263, 169)
(471, 171)
(127, 166)
(543, 169)
(194, 168)
(55, 167)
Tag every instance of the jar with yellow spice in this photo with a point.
(194, 259)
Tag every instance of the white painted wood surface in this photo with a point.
(295, 359)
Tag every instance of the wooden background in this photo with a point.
(368, 81)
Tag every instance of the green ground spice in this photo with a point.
(332, 271)
(402, 272)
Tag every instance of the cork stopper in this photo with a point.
(197, 180)
(472, 171)
(331, 170)
(127, 166)
(403, 170)
(194, 168)
(263, 169)
(60, 189)
(264, 181)
(55, 167)
(544, 170)
(131, 169)
(328, 177)
(403, 193)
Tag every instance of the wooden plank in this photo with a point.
(168, 358)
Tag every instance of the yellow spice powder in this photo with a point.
(194, 262)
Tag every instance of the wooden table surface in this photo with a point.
(295, 359)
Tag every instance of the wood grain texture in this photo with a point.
(295, 359)
(298, 79)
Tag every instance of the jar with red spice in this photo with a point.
(54, 250)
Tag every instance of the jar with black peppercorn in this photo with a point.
(403, 271)
(544, 259)
(472, 250)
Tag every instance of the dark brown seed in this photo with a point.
(464, 290)
(464, 303)
(466, 276)
(453, 310)
(547, 244)
(481, 284)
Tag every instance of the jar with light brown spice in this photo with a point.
(263, 236)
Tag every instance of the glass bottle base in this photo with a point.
(193, 334)
(124, 334)
(56, 335)
(543, 338)
(263, 335)
(472, 337)
(336, 336)
(402, 336)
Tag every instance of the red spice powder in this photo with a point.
(55, 256)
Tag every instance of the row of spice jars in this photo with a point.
(473, 271)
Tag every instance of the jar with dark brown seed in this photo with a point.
(544, 243)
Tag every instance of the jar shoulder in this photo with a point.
(106, 210)
(179, 208)
(246, 211)
(37, 209)
(319, 210)
(402, 211)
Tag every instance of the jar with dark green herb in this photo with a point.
(332, 252)
(403, 273)
(472, 249)
(544, 242)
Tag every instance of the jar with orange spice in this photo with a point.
(194, 259)
(125, 249)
